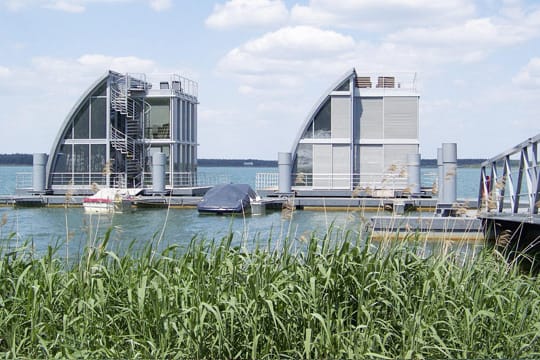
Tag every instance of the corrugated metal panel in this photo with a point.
(395, 156)
(401, 117)
(341, 116)
(371, 158)
(341, 166)
(371, 163)
(371, 118)
(322, 165)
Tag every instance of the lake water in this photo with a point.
(45, 226)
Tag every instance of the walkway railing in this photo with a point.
(510, 181)
(364, 181)
(187, 179)
(67, 180)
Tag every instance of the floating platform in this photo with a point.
(190, 198)
(449, 228)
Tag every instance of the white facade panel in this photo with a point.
(371, 118)
(401, 117)
(341, 116)
(395, 156)
(341, 166)
(322, 165)
(371, 164)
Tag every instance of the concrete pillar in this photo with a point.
(449, 157)
(413, 173)
(440, 175)
(158, 172)
(39, 173)
(285, 169)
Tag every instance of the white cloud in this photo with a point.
(529, 76)
(381, 14)
(4, 71)
(121, 64)
(472, 32)
(471, 40)
(160, 5)
(67, 6)
(285, 50)
(237, 13)
(55, 83)
(77, 6)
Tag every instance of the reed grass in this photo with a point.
(335, 296)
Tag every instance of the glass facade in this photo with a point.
(321, 126)
(102, 142)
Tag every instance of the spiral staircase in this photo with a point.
(127, 100)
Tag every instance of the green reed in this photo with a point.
(334, 296)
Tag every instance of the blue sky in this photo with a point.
(262, 64)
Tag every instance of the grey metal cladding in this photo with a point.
(341, 116)
(371, 118)
(401, 117)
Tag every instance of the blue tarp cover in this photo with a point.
(227, 198)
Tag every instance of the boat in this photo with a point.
(110, 201)
(227, 199)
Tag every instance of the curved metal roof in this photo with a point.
(316, 108)
(68, 120)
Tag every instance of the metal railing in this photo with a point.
(122, 142)
(23, 180)
(387, 80)
(267, 181)
(173, 84)
(510, 181)
(187, 179)
(63, 180)
(363, 181)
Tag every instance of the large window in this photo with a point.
(321, 125)
(303, 165)
(81, 123)
(81, 157)
(158, 126)
(63, 159)
(98, 118)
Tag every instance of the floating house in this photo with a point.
(359, 135)
(111, 134)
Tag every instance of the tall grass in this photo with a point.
(336, 297)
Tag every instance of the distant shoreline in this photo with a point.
(26, 160)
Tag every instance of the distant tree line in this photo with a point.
(237, 162)
(460, 162)
(16, 159)
(26, 159)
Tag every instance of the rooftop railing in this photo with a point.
(398, 80)
(173, 84)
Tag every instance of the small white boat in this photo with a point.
(110, 201)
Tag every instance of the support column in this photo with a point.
(449, 152)
(413, 173)
(285, 169)
(440, 175)
(158, 172)
(39, 173)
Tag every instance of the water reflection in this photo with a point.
(73, 230)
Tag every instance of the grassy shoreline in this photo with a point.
(334, 296)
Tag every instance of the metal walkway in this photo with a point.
(508, 198)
